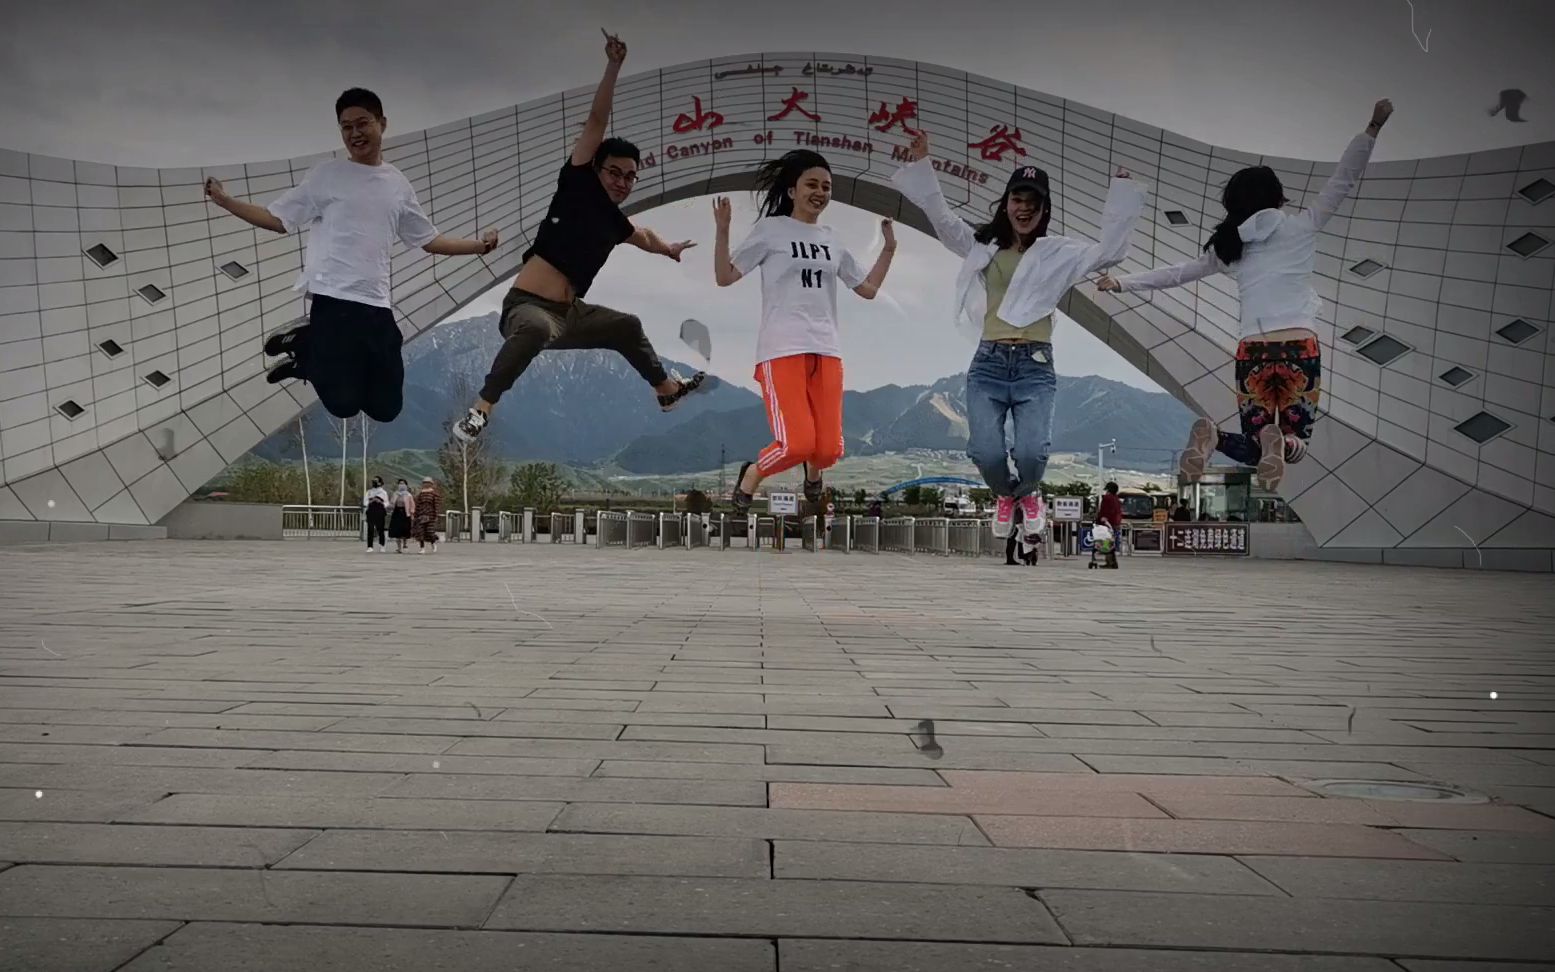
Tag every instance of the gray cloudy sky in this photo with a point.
(180, 82)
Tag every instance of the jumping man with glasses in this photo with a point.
(545, 308)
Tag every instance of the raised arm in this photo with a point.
(916, 181)
(1352, 165)
(604, 96)
(870, 286)
(1125, 201)
(248, 212)
(450, 246)
(724, 270)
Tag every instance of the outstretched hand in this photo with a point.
(1381, 112)
(1122, 173)
(674, 250)
(723, 212)
(489, 238)
(919, 147)
(1107, 284)
(216, 191)
(615, 48)
(888, 233)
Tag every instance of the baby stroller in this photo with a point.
(1103, 542)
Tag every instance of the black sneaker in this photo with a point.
(285, 341)
(687, 386)
(814, 489)
(284, 370)
(467, 428)
(738, 498)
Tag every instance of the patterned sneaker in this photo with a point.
(1004, 517)
(284, 370)
(288, 340)
(1202, 439)
(467, 428)
(1033, 515)
(738, 498)
(687, 386)
(1295, 449)
(1271, 467)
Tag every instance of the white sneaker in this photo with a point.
(1202, 439)
(421, 550)
(1271, 467)
(467, 428)
(1004, 517)
(1033, 515)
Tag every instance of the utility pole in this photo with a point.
(722, 459)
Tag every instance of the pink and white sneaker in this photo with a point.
(1202, 439)
(1004, 517)
(1033, 515)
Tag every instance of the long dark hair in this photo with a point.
(1249, 191)
(999, 229)
(776, 176)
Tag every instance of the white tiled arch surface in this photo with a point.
(1388, 468)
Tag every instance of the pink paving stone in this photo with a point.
(1202, 837)
(938, 799)
(1377, 813)
(989, 782)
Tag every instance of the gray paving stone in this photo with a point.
(363, 812)
(191, 779)
(843, 825)
(683, 752)
(202, 947)
(126, 755)
(1445, 881)
(1433, 965)
(422, 763)
(1491, 847)
(262, 739)
(501, 728)
(1015, 867)
(80, 843)
(648, 769)
(1308, 925)
(734, 793)
(512, 853)
(727, 906)
(953, 757)
(209, 894)
(75, 944)
(798, 955)
(90, 806)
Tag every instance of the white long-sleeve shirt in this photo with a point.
(1274, 275)
(1047, 270)
(376, 494)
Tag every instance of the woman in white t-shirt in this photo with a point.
(798, 355)
(1271, 254)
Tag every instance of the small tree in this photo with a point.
(537, 484)
(860, 496)
(698, 502)
(912, 495)
(930, 496)
(982, 497)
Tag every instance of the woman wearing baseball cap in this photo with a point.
(1012, 277)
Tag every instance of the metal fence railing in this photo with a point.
(866, 534)
(967, 537)
(694, 532)
(931, 534)
(321, 522)
(897, 534)
(671, 527)
(610, 528)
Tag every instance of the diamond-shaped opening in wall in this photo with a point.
(234, 269)
(1517, 331)
(151, 293)
(100, 255)
(1528, 244)
(1456, 376)
(110, 347)
(69, 408)
(1538, 190)
(1358, 334)
(157, 379)
(1384, 350)
(1367, 267)
(1176, 217)
(1483, 427)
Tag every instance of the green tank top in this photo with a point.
(996, 277)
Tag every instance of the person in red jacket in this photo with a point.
(1110, 512)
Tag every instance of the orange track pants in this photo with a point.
(803, 394)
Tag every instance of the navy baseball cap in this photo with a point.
(1029, 177)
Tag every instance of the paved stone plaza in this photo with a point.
(278, 756)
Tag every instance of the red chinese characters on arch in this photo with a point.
(999, 141)
(884, 118)
(699, 121)
(792, 104)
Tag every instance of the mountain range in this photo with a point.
(589, 408)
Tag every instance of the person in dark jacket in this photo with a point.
(1110, 512)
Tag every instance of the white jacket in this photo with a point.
(1045, 272)
(1274, 276)
(378, 494)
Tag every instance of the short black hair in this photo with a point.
(1112, 487)
(359, 98)
(616, 148)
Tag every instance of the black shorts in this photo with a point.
(351, 355)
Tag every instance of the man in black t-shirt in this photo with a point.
(545, 308)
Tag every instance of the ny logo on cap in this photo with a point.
(1029, 172)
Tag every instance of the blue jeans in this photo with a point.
(1015, 382)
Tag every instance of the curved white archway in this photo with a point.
(131, 312)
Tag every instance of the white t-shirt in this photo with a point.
(356, 212)
(800, 265)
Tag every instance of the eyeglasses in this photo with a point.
(630, 178)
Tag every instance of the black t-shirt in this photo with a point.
(581, 227)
